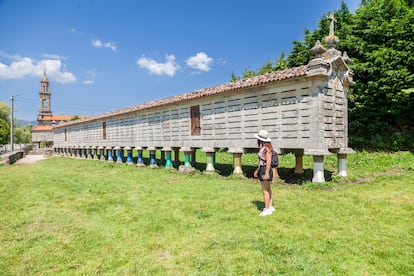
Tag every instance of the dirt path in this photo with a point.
(31, 158)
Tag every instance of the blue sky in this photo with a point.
(102, 55)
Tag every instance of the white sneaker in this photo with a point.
(271, 208)
(265, 212)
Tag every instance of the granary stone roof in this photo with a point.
(291, 73)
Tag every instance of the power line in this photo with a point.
(74, 106)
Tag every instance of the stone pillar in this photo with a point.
(95, 153)
(318, 169)
(162, 159)
(88, 153)
(129, 156)
(342, 154)
(176, 157)
(109, 153)
(119, 154)
(168, 162)
(193, 157)
(187, 156)
(84, 154)
(153, 160)
(318, 166)
(210, 159)
(299, 163)
(237, 164)
(102, 153)
(140, 160)
(186, 168)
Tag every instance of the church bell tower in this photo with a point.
(44, 95)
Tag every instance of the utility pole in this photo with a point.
(11, 124)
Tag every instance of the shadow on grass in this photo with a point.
(259, 204)
(288, 175)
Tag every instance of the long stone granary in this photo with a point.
(304, 109)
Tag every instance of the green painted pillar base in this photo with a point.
(187, 158)
(168, 161)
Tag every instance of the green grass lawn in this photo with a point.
(83, 217)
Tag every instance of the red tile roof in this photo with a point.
(60, 117)
(42, 128)
(290, 73)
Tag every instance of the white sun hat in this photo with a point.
(263, 136)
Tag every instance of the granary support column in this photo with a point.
(237, 164)
(153, 160)
(193, 157)
(210, 155)
(318, 166)
(79, 155)
(176, 157)
(168, 161)
(299, 162)
(109, 153)
(342, 154)
(119, 155)
(84, 153)
(95, 153)
(140, 160)
(102, 153)
(187, 160)
(162, 158)
(89, 152)
(129, 156)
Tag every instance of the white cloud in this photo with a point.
(53, 56)
(22, 67)
(201, 61)
(99, 44)
(169, 67)
(90, 77)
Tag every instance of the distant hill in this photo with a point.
(23, 123)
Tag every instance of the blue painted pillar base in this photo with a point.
(129, 156)
(153, 160)
(109, 153)
(140, 160)
(119, 155)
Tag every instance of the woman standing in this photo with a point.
(264, 171)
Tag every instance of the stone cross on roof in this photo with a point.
(331, 18)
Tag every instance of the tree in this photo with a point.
(379, 38)
(381, 102)
(4, 123)
(4, 131)
(23, 135)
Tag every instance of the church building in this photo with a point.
(43, 132)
